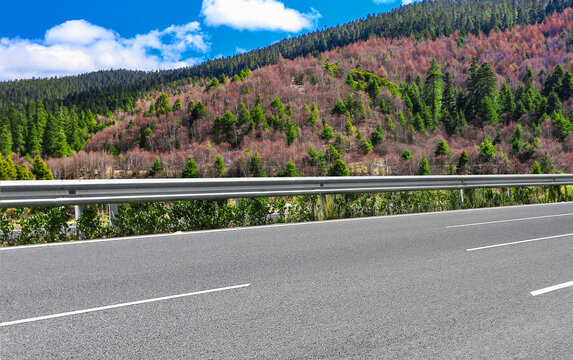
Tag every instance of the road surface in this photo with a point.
(472, 284)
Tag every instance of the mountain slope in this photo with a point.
(103, 91)
(380, 106)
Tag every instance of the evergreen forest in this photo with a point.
(436, 87)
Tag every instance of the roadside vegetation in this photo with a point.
(41, 225)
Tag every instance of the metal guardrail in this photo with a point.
(81, 192)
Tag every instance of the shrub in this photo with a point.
(41, 227)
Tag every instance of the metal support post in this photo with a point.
(113, 214)
(79, 210)
(322, 206)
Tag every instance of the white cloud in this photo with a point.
(239, 50)
(78, 32)
(257, 15)
(77, 46)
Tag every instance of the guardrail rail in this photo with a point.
(14, 194)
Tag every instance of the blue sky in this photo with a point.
(43, 38)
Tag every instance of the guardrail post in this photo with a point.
(113, 214)
(462, 194)
(323, 205)
(79, 210)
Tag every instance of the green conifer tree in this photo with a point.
(7, 169)
(536, 168)
(433, 89)
(177, 105)
(378, 135)
(289, 171)
(338, 168)
(244, 115)
(55, 143)
(442, 148)
(23, 173)
(462, 162)
(406, 155)
(5, 139)
(256, 168)
(191, 170)
(219, 166)
(156, 167)
(424, 167)
(41, 170)
(162, 105)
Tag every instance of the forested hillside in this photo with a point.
(442, 101)
(105, 91)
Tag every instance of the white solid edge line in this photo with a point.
(77, 312)
(520, 242)
(507, 220)
(249, 228)
(552, 288)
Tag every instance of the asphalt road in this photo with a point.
(397, 287)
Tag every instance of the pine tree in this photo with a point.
(373, 88)
(291, 132)
(424, 167)
(553, 104)
(565, 91)
(191, 170)
(442, 148)
(390, 124)
(224, 126)
(162, 105)
(406, 155)
(349, 127)
(23, 173)
(41, 170)
(433, 89)
(289, 171)
(419, 124)
(7, 169)
(528, 77)
(554, 81)
(256, 168)
(378, 135)
(279, 108)
(327, 133)
(516, 143)
(5, 139)
(258, 114)
(55, 143)
(199, 112)
(486, 150)
(547, 166)
(338, 168)
(462, 162)
(401, 118)
(244, 115)
(156, 167)
(339, 108)
(561, 126)
(536, 168)
(487, 111)
(449, 96)
(219, 165)
(177, 105)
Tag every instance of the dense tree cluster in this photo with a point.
(105, 91)
(460, 104)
